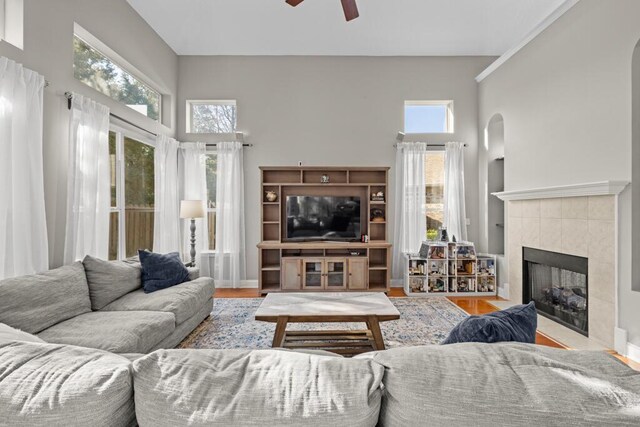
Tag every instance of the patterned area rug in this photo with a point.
(231, 325)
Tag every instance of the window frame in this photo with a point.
(189, 114)
(121, 133)
(125, 65)
(449, 117)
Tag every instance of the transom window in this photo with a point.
(428, 117)
(132, 194)
(212, 116)
(97, 70)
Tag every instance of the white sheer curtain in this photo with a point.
(230, 246)
(166, 231)
(455, 215)
(23, 229)
(410, 222)
(88, 188)
(194, 173)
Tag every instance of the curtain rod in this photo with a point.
(430, 145)
(215, 145)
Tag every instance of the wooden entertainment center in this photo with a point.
(287, 266)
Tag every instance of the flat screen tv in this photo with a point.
(323, 218)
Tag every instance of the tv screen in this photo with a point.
(323, 218)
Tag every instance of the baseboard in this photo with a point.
(243, 284)
(633, 352)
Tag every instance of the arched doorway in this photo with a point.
(495, 184)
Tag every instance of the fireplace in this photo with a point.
(558, 284)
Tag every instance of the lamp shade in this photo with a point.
(192, 209)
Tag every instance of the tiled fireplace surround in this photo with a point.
(583, 226)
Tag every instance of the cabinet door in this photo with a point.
(291, 274)
(335, 274)
(312, 274)
(358, 273)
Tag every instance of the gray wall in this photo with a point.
(566, 102)
(330, 111)
(48, 49)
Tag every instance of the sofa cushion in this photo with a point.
(54, 385)
(9, 334)
(513, 383)
(517, 323)
(183, 300)
(114, 331)
(36, 302)
(109, 280)
(260, 387)
(161, 271)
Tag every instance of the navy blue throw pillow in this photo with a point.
(517, 324)
(161, 271)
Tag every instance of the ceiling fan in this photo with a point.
(349, 6)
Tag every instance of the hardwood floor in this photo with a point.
(472, 305)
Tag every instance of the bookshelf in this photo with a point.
(450, 269)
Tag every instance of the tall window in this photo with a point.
(100, 72)
(434, 170)
(212, 116)
(132, 195)
(428, 116)
(212, 167)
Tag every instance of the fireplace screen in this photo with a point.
(558, 285)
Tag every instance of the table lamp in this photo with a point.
(192, 209)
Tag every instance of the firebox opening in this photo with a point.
(558, 284)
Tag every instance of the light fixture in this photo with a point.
(192, 209)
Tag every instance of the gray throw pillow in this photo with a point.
(110, 280)
(9, 334)
(36, 302)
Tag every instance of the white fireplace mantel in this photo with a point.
(602, 188)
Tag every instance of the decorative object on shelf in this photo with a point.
(364, 238)
(324, 179)
(192, 209)
(443, 235)
(377, 197)
(424, 250)
(354, 253)
(271, 196)
(377, 215)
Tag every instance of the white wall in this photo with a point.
(566, 102)
(48, 49)
(330, 111)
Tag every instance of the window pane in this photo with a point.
(139, 195)
(212, 230)
(113, 235)
(426, 118)
(99, 72)
(212, 169)
(434, 170)
(112, 168)
(213, 117)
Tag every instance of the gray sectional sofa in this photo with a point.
(77, 379)
(101, 304)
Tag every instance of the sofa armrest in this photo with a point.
(194, 273)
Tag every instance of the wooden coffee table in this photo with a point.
(316, 307)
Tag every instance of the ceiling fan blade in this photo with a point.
(350, 9)
(294, 3)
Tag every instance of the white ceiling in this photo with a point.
(317, 27)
